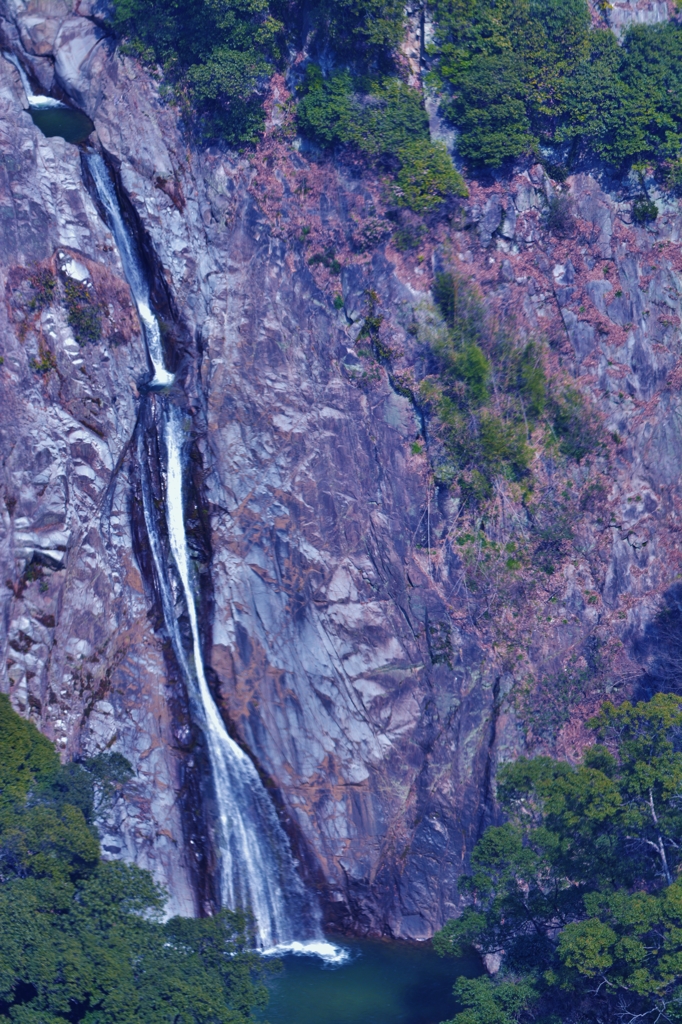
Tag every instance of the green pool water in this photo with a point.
(72, 125)
(382, 983)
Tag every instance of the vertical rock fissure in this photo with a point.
(257, 870)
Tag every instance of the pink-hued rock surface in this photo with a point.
(343, 646)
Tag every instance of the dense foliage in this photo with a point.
(488, 392)
(81, 939)
(523, 73)
(363, 34)
(515, 75)
(579, 894)
(218, 55)
(385, 119)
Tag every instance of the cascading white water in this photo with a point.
(134, 271)
(257, 870)
(253, 871)
(35, 101)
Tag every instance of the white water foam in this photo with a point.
(326, 951)
(252, 870)
(34, 100)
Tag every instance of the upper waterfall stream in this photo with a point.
(257, 869)
(53, 117)
(36, 101)
(133, 268)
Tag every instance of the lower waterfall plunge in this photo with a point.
(257, 869)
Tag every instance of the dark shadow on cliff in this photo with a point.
(196, 796)
(659, 649)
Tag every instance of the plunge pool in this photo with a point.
(381, 983)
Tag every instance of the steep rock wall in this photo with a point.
(341, 640)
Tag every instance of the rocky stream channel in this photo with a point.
(223, 554)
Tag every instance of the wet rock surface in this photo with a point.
(339, 636)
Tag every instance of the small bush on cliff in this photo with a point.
(575, 424)
(43, 283)
(560, 220)
(44, 361)
(487, 391)
(644, 210)
(426, 177)
(384, 119)
(83, 311)
(81, 938)
(578, 894)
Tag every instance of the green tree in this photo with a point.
(488, 1004)
(426, 177)
(81, 939)
(326, 109)
(578, 893)
(386, 120)
(364, 33)
(509, 66)
(27, 758)
(489, 108)
(216, 54)
(517, 74)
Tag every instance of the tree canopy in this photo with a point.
(384, 119)
(518, 74)
(513, 75)
(579, 894)
(217, 54)
(82, 939)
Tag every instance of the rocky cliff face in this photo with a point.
(623, 13)
(347, 654)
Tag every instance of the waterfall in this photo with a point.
(257, 869)
(133, 268)
(34, 101)
(256, 863)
